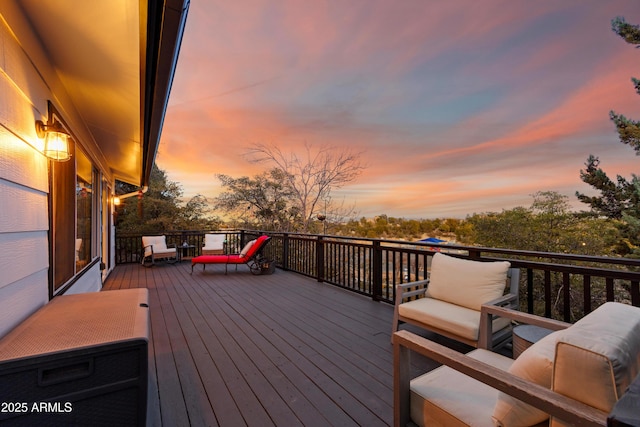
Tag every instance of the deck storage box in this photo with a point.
(79, 360)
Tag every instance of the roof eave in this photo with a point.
(162, 34)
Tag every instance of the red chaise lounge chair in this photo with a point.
(251, 255)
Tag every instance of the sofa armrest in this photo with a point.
(497, 308)
(557, 405)
(403, 290)
(521, 317)
(505, 300)
(485, 328)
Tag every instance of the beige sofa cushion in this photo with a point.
(461, 321)
(606, 344)
(445, 397)
(466, 283)
(536, 365)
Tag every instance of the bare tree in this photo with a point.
(313, 175)
(264, 198)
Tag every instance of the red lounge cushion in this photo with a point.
(210, 259)
(256, 246)
(230, 259)
(218, 259)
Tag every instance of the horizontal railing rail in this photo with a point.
(561, 286)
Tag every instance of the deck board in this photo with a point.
(280, 349)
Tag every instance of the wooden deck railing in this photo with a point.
(560, 286)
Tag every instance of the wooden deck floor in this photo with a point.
(281, 349)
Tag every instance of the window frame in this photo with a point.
(64, 271)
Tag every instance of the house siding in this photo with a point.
(24, 179)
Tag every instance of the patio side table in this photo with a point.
(524, 336)
(186, 252)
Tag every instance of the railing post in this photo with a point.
(285, 251)
(474, 254)
(320, 259)
(376, 271)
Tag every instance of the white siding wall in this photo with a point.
(24, 182)
(24, 256)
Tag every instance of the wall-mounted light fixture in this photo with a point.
(56, 140)
(117, 200)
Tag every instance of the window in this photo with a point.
(84, 208)
(62, 229)
(73, 206)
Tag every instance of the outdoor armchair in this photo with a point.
(213, 244)
(155, 248)
(449, 302)
(573, 376)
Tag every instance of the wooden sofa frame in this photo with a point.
(555, 404)
(412, 290)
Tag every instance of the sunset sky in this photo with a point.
(458, 106)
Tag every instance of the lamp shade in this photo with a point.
(56, 146)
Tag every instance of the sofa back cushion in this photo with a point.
(599, 356)
(466, 283)
(214, 241)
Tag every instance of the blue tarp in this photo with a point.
(431, 240)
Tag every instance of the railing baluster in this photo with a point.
(609, 287)
(285, 251)
(547, 293)
(530, 290)
(586, 293)
(566, 287)
(377, 271)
